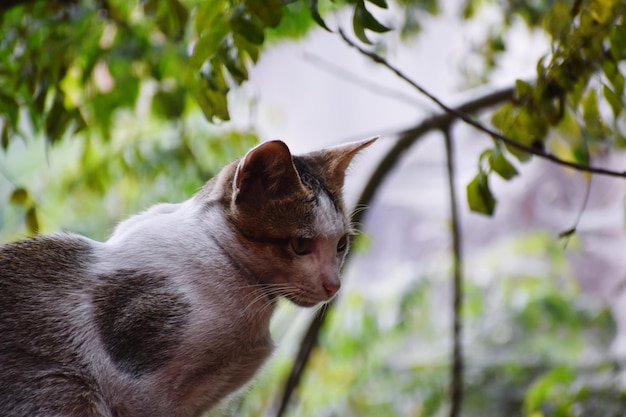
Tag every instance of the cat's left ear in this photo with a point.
(338, 158)
(266, 172)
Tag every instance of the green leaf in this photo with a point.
(358, 28)
(501, 165)
(170, 15)
(207, 45)
(213, 103)
(558, 22)
(617, 39)
(602, 10)
(247, 27)
(32, 223)
(268, 11)
(207, 14)
(315, 14)
(5, 139)
(19, 196)
(174, 22)
(367, 20)
(432, 403)
(235, 65)
(215, 78)
(294, 24)
(250, 49)
(169, 104)
(521, 155)
(523, 90)
(546, 386)
(581, 154)
(57, 120)
(502, 118)
(380, 3)
(591, 115)
(612, 73)
(613, 99)
(479, 195)
(9, 108)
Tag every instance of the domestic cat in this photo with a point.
(171, 313)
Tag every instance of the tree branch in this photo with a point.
(405, 140)
(456, 370)
(308, 343)
(366, 84)
(476, 124)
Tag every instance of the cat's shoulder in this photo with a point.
(51, 252)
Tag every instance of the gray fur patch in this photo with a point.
(140, 320)
(309, 179)
(41, 371)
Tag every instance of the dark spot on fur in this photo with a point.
(312, 181)
(140, 319)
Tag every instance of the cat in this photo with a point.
(171, 314)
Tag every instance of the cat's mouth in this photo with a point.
(303, 300)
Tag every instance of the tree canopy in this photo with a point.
(68, 67)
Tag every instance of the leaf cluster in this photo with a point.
(576, 83)
(228, 35)
(67, 67)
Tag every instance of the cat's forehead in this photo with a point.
(328, 214)
(312, 174)
(328, 219)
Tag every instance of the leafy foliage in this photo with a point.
(71, 66)
(584, 66)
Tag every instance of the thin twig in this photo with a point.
(567, 234)
(476, 124)
(364, 83)
(309, 341)
(406, 139)
(456, 370)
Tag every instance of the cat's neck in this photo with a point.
(193, 242)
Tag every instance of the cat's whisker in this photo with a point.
(265, 291)
(268, 305)
(357, 226)
(356, 231)
(321, 306)
(265, 308)
(359, 209)
(254, 301)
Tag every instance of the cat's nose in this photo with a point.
(331, 287)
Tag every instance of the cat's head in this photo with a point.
(290, 216)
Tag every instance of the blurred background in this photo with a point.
(107, 107)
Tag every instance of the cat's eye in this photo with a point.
(342, 245)
(302, 245)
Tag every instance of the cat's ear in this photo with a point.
(266, 172)
(338, 158)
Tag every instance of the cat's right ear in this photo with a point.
(266, 172)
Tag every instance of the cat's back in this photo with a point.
(42, 290)
(42, 269)
(43, 256)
